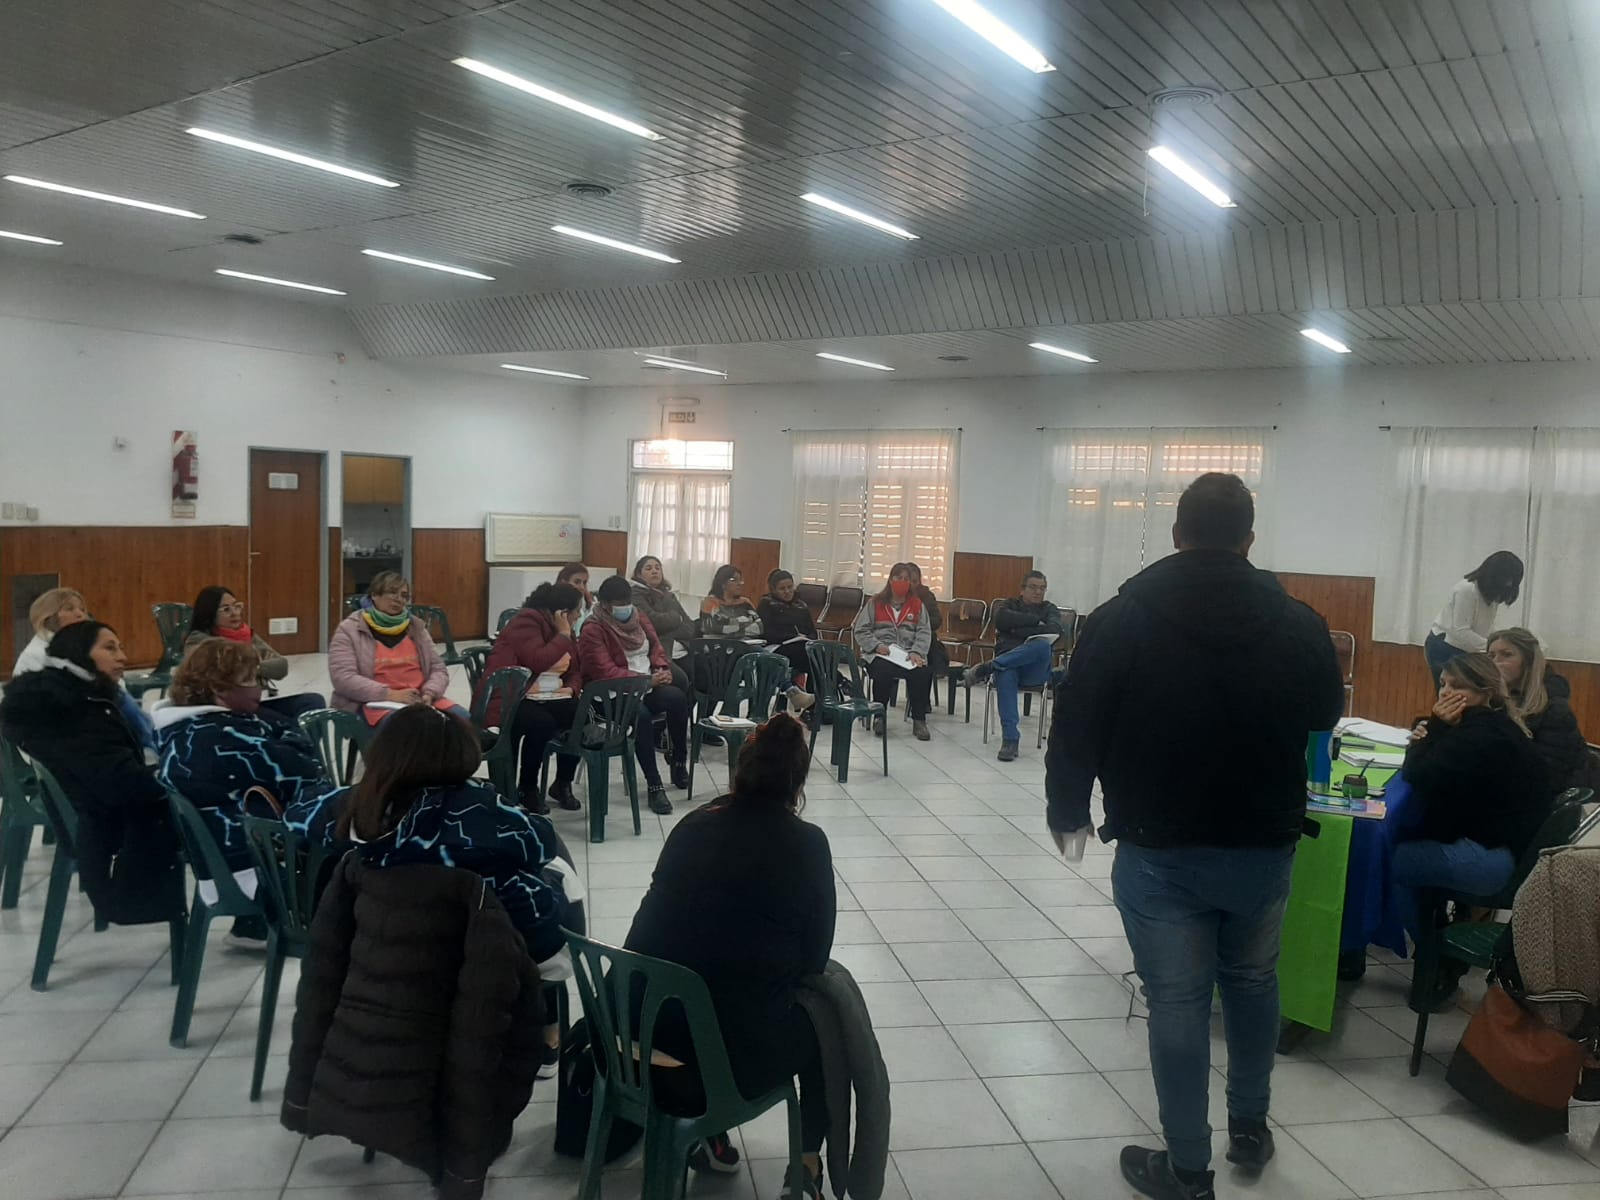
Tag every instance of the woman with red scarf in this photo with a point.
(219, 613)
(897, 618)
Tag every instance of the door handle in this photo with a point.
(255, 554)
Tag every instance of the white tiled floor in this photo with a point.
(993, 974)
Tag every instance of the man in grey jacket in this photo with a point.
(1025, 633)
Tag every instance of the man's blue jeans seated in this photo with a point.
(1026, 666)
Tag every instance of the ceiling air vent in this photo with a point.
(243, 239)
(1181, 97)
(588, 191)
(955, 358)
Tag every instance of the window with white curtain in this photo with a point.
(682, 497)
(1457, 495)
(1110, 496)
(865, 500)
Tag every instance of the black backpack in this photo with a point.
(575, 1101)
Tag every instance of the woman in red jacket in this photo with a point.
(540, 638)
(618, 642)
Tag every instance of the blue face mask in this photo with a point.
(622, 612)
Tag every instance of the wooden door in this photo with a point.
(286, 547)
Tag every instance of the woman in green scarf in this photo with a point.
(380, 660)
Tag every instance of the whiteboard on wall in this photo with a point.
(527, 538)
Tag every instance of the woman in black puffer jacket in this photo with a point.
(1544, 700)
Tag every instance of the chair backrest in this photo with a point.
(843, 605)
(828, 661)
(501, 693)
(814, 596)
(287, 870)
(352, 602)
(58, 811)
(476, 660)
(757, 679)
(710, 665)
(172, 623)
(613, 985)
(438, 623)
(340, 739)
(505, 618)
(1344, 648)
(1557, 830)
(963, 620)
(18, 785)
(204, 855)
(608, 709)
(1069, 636)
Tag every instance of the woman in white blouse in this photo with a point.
(1468, 616)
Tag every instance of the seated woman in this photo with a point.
(727, 612)
(897, 617)
(743, 895)
(70, 717)
(618, 642)
(1542, 697)
(221, 748)
(788, 627)
(52, 612)
(380, 660)
(219, 613)
(655, 598)
(541, 638)
(576, 574)
(1479, 790)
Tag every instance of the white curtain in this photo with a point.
(683, 520)
(1455, 497)
(1110, 497)
(864, 500)
(1563, 578)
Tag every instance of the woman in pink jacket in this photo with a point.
(618, 642)
(380, 660)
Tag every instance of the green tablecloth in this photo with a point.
(1308, 964)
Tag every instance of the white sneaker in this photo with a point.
(800, 701)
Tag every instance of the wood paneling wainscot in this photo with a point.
(605, 550)
(756, 558)
(123, 570)
(448, 571)
(987, 577)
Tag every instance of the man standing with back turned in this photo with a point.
(1190, 696)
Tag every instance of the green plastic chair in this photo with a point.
(509, 685)
(608, 710)
(505, 619)
(1475, 943)
(172, 623)
(352, 603)
(710, 664)
(340, 739)
(431, 617)
(476, 660)
(756, 681)
(20, 811)
(608, 978)
(287, 870)
(828, 661)
(204, 856)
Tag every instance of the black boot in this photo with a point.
(534, 802)
(561, 793)
(1152, 1174)
(659, 803)
(680, 775)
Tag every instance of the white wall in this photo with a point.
(1330, 458)
(89, 356)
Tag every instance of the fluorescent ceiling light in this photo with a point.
(854, 362)
(107, 197)
(1322, 339)
(569, 231)
(28, 237)
(541, 371)
(855, 214)
(555, 97)
(672, 364)
(1049, 349)
(1191, 175)
(288, 283)
(432, 266)
(227, 139)
(996, 32)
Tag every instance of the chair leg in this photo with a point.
(1417, 1040)
(270, 979)
(885, 742)
(176, 929)
(14, 843)
(841, 744)
(735, 739)
(1044, 707)
(600, 1118)
(988, 706)
(194, 957)
(598, 787)
(55, 907)
(694, 757)
(368, 1154)
(630, 782)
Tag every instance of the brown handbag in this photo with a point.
(1516, 1068)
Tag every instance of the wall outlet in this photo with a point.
(32, 513)
(614, 522)
(283, 625)
(8, 512)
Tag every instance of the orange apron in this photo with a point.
(398, 668)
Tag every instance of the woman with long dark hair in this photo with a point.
(789, 626)
(653, 594)
(743, 895)
(897, 619)
(1464, 623)
(542, 639)
(219, 613)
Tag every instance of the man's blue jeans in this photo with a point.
(1026, 666)
(1199, 919)
(1463, 867)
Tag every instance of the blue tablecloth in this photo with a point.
(1370, 915)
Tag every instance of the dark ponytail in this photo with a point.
(554, 598)
(773, 765)
(74, 643)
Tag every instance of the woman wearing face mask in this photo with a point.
(379, 659)
(219, 613)
(218, 744)
(1544, 699)
(896, 616)
(70, 717)
(1479, 790)
(52, 612)
(618, 642)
